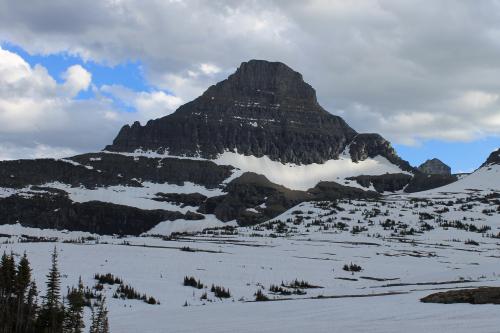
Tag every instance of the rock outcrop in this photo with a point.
(435, 167)
(486, 295)
(56, 211)
(493, 159)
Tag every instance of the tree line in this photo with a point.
(21, 311)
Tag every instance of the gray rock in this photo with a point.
(435, 167)
(485, 295)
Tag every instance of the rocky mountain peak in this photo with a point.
(269, 83)
(435, 167)
(494, 158)
(263, 109)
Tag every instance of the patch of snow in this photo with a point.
(166, 228)
(18, 230)
(303, 177)
(7, 192)
(293, 176)
(76, 163)
(140, 197)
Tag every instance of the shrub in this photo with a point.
(352, 268)
(107, 279)
(471, 242)
(192, 282)
(296, 284)
(260, 297)
(220, 292)
(279, 290)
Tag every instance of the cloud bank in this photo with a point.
(409, 71)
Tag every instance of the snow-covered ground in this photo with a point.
(407, 248)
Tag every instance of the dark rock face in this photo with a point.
(330, 191)
(182, 199)
(494, 158)
(58, 212)
(252, 198)
(435, 167)
(486, 295)
(101, 169)
(384, 183)
(370, 145)
(264, 108)
(399, 181)
(424, 182)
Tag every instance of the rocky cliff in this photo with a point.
(264, 108)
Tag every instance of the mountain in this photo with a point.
(249, 148)
(435, 167)
(263, 109)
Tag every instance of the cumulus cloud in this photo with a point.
(77, 79)
(41, 118)
(147, 105)
(408, 71)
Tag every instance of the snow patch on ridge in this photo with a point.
(139, 197)
(166, 228)
(305, 176)
(293, 176)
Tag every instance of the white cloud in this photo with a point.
(478, 99)
(38, 114)
(420, 72)
(77, 79)
(148, 105)
(9, 151)
(209, 69)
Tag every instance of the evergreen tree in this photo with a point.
(31, 307)
(73, 320)
(99, 319)
(7, 300)
(22, 283)
(52, 311)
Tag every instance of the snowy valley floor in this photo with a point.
(406, 249)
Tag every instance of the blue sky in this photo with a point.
(384, 66)
(129, 74)
(461, 156)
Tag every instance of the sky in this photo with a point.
(424, 76)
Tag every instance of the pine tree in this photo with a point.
(22, 282)
(7, 284)
(99, 321)
(52, 311)
(31, 307)
(73, 320)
